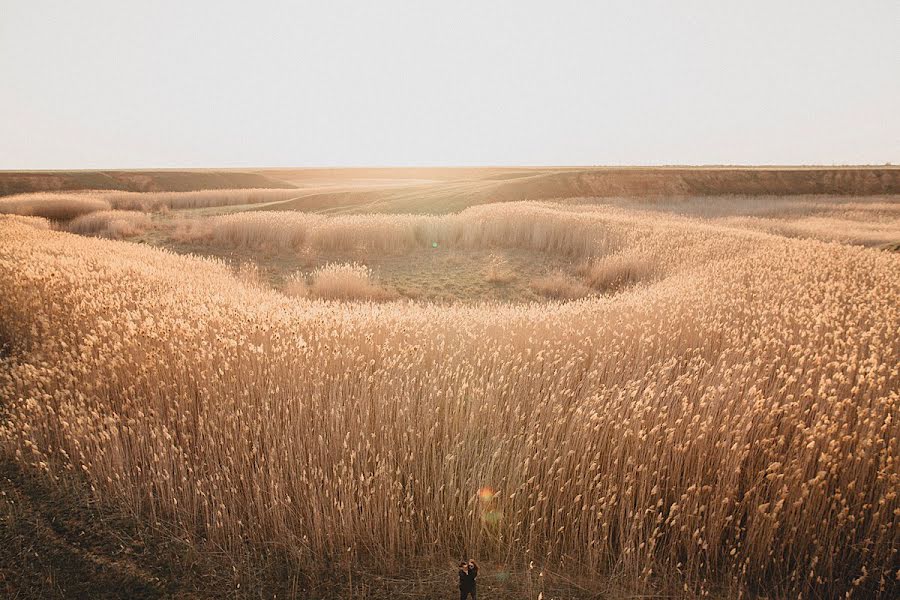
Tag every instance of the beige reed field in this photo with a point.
(596, 397)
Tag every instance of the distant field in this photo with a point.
(469, 256)
(424, 256)
(448, 190)
(337, 388)
(442, 190)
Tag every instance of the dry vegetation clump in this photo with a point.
(498, 270)
(59, 207)
(339, 282)
(115, 224)
(733, 426)
(617, 271)
(559, 286)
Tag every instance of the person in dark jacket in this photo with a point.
(468, 571)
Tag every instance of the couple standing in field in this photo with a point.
(468, 571)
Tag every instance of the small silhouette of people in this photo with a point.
(468, 571)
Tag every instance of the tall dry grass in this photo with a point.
(559, 286)
(864, 208)
(843, 229)
(734, 425)
(115, 224)
(68, 205)
(60, 207)
(864, 221)
(578, 230)
(544, 227)
(620, 270)
(339, 281)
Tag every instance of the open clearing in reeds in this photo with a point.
(682, 397)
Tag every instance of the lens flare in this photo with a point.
(486, 494)
(492, 517)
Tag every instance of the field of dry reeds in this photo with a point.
(719, 415)
(52, 205)
(67, 205)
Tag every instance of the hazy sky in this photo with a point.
(91, 84)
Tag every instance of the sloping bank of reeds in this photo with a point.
(735, 424)
(585, 227)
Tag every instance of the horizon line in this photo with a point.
(888, 164)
